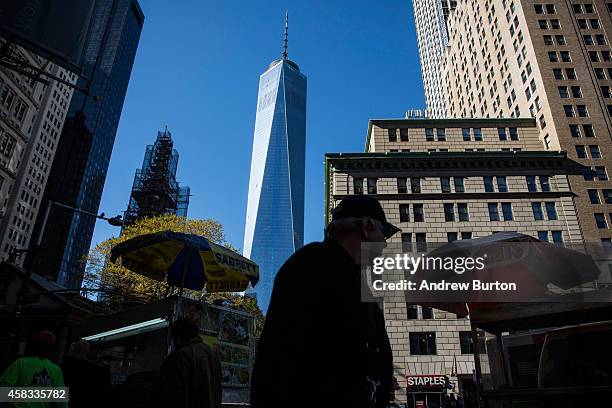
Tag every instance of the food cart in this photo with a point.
(134, 343)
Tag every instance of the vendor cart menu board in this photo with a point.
(231, 333)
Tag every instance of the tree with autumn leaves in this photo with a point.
(118, 285)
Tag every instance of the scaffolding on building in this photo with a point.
(155, 190)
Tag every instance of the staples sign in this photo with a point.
(426, 380)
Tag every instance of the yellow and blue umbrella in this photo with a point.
(187, 261)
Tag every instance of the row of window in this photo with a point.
(462, 214)
(594, 196)
(593, 150)
(448, 183)
(467, 133)
(600, 220)
(592, 173)
(424, 343)
(555, 236)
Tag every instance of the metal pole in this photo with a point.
(476, 359)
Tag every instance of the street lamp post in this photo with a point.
(35, 246)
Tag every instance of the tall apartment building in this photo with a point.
(443, 180)
(550, 60)
(31, 118)
(79, 171)
(430, 17)
(274, 226)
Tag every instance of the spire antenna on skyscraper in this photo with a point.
(285, 54)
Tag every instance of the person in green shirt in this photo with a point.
(35, 370)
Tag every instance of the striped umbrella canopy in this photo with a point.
(186, 261)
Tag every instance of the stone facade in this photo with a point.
(549, 60)
(31, 118)
(509, 164)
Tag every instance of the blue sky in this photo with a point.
(197, 71)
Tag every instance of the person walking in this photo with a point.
(321, 344)
(35, 369)
(191, 375)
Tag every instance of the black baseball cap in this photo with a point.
(364, 206)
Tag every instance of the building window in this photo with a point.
(493, 212)
(575, 130)
(513, 133)
(423, 343)
(502, 133)
(531, 183)
(551, 211)
(459, 186)
(467, 344)
(600, 221)
(404, 212)
(569, 111)
(600, 73)
(537, 211)
(464, 215)
(607, 196)
(427, 312)
(404, 135)
(588, 39)
(581, 152)
(421, 241)
(587, 173)
(544, 183)
(543, 24)
(593, 196)
(441, 134)
(565, 56)
(595, 152)
(402, 188)
(594, 23)
(570, 73)
(593, 56)
(412, 311)
(507, 211)
(576, 92)
(558, 73)
(582, 24)
(466, 134)
(407, 242)
(600, 173)
(417, 210)
(588, 130)
(554, 24)
(582, 111)
(543, 236)
(445, 184)
(358, 186)
(372, 185)
(392, 135)
(548, 40)
(600, 39)
(449, 212)
(563, 92)
(488, 184)
(502, 186)
(477, 134)
(466, 235)
(429, 135)
(415, 185)
(557, 237)
(451, 236)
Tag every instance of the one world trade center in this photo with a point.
(275, 211)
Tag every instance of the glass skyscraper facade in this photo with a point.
(275, 211)
(81, 162)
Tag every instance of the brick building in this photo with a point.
(441, 180)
